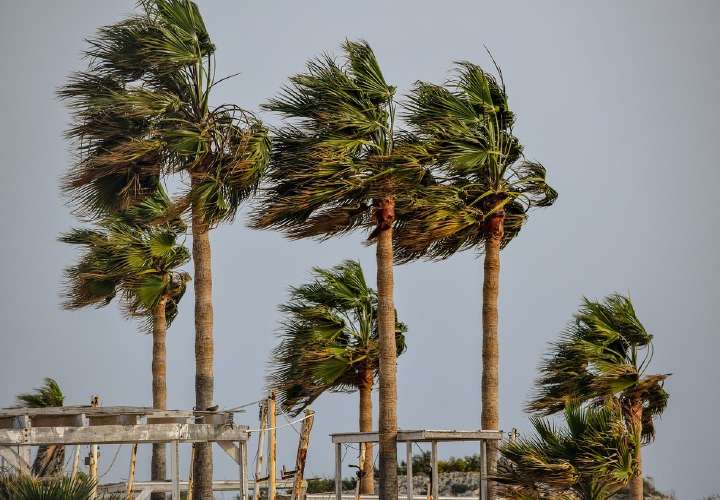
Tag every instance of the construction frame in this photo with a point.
(418, 436)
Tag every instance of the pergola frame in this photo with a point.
(418, 436)
(23, 428)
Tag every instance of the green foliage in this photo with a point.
(591, 456)
(337, 155)
(603, 354)
(141, 111)
(324, 485)
(48, 395)
(329, 337)
(462, 133)
(14, 487)
(127, 255)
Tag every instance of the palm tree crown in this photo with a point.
(338, 158)
(590, 458)
(142, 109)
(329, 337)
(604, 354)
(463, 132)
(48, 395)
(125, 256)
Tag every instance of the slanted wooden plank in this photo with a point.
(302, 451)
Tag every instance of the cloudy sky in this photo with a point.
(619, 100)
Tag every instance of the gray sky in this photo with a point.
(618, 99)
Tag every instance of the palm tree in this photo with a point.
(49, 460)
(330, 342)
(334, 169)
(142, 111)
(604, 355)
(591, 458)
(80, 487)
(478, 196)
(126, 256)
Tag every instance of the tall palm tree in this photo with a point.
(478, 196)
(141, 111)
(590, 458)
(330, 342)
(334, 169)
(49, 460)
(126, 257)
(604, 355)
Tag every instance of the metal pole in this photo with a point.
(338, 472)
(409, 469)
(435, 479)
(483, 470)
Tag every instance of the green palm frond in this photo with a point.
(603, 355)
(337, 153)
(590, 457)
(463, 132)
(80, 487)
(48, 395)
(141, 112)
(128, 256)
(328, 337)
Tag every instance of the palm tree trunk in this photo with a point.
(636, 483)
(387, 421)
(490, 356)
(159, 389)
(204, 347)
(367, 480)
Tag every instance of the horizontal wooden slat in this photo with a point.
(418, 435)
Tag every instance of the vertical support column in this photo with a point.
(94, 403)
(131, 474)
(483, 470)
(301, 459)
(272, 447)
(338, 472)
(175, 470)
(76, 461)
(435, 476)
(409, 469)
(261, 443)
(242, 448)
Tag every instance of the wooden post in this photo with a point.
(190, 474)
(261, 446)
(242, 449)
(303, 446)
(409, 469)
(76, 461)
(131, 475)
(272, 447)
(94, 402)
(435, 475)
(338, 472)
(483, 470)
(361, 470)
(175, 470)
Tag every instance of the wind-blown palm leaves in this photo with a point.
(477, 196)
(49, 460)
(80, 487)
(141, 111)
(330, 342)
(334, 169)
(127, 257)
(590, 458)
(604, 355)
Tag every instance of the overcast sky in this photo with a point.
(619, 100)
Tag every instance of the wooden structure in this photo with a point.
(23, 428)
(415, 436)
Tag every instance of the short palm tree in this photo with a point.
(335, 168)
(330, 342)
(142, 111)
(49, 460)
(604, 355)
(79, 487)
(479, 195)
(590, 458)
(126, 257)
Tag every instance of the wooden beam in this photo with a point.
(76, 461)
(232, 450)
(175, 470)
(131, 474)
(418, 436)
(105, 434)
(435, 474)
(338, 471)
(94, 402)
(272, 447)
(243, 469)
(261, 439)
(483, 471)
(303, 445)
(409, 469)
